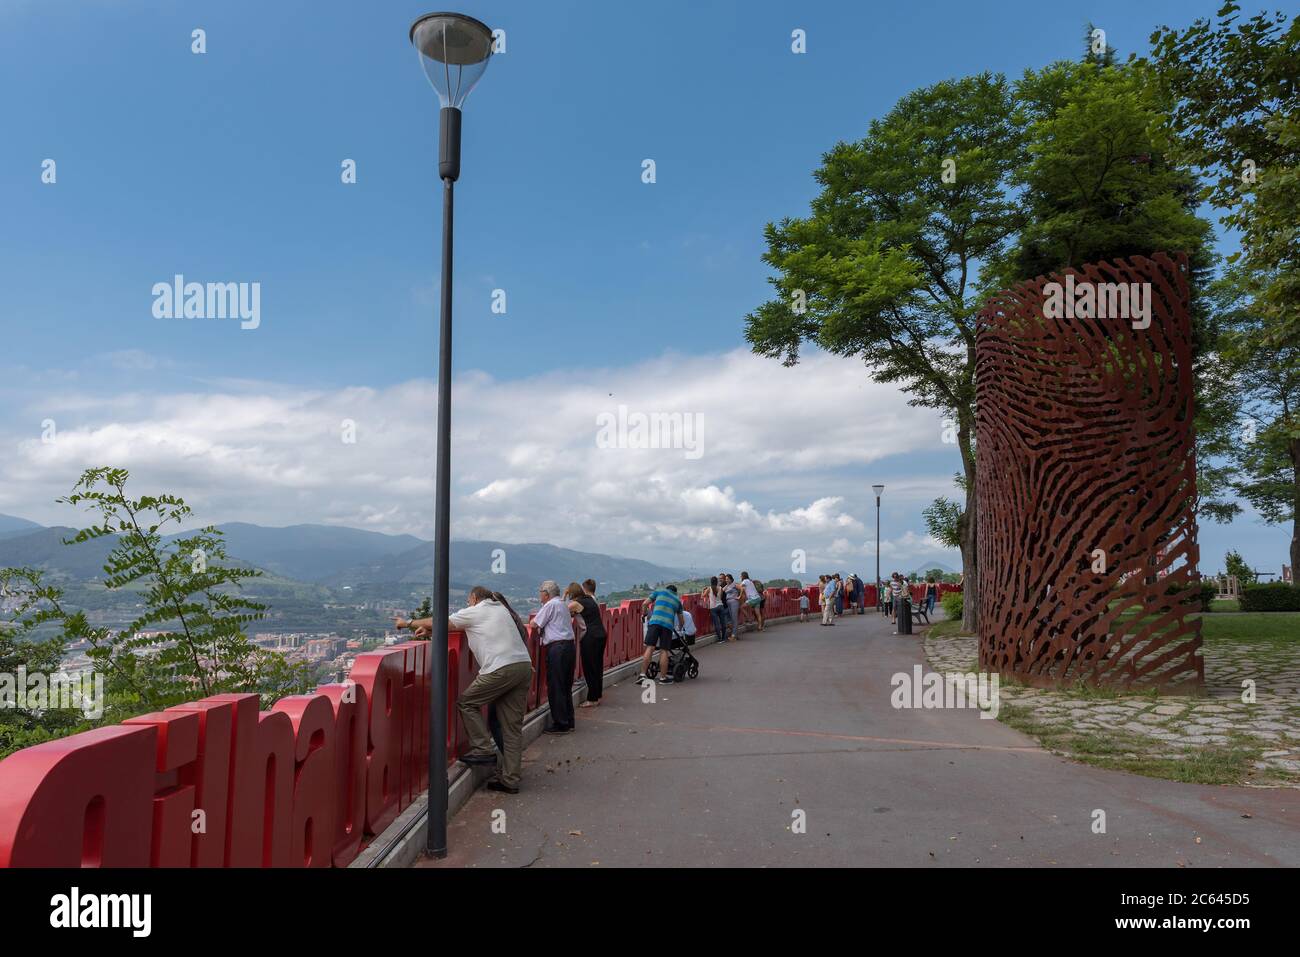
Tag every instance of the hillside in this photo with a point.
(11, 525)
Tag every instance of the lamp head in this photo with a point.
(454, 51)
(877, 489)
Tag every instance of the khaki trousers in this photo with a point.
(507, 688)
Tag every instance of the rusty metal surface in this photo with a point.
(1085, 442)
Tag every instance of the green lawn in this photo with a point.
(943, 629)
(1280, 627)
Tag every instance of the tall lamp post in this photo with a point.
(878, 489)
(454, 51)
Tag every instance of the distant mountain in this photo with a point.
(526, 566)
(931, 565)
(11, 525)
(44, 549)
(347, 558)
(311, 553)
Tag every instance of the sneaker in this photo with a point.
(555, 730)
(666, 680)
(495, 785)
(479, 759)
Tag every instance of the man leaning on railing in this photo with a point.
(496, 638)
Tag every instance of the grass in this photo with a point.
(1225, 604)
(1120, 750)
(944, 629)
(1273, 627)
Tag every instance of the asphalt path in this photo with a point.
(787, 751)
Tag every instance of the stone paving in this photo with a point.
(1153, 727)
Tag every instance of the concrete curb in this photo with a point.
(403, 841)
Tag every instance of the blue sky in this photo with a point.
(226, 167)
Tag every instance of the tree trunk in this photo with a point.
(1295, 513)
(967, 527)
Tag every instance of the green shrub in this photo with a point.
(1279, 596)
(1208, 591)
(952, 605)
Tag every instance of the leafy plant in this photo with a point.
(189, 640)
(19, 654)
(953, 604)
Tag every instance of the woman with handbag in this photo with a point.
(591, 638)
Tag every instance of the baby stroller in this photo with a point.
(681, 663)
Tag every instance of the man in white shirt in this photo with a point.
(505, 673)
(555, 622)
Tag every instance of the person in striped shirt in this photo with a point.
(665, 617)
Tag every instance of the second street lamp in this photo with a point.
(454, 51)
(878, 489)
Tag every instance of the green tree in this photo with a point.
(1233, 91)
(1099, 181)
(1235, 566)
(1236, 109)
(1266, 378)
(886, 266)
(943, 518)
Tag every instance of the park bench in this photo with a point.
(918, 610)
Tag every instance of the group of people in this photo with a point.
(568, 624)
(729, 602)
(899, 590)
(836, 594)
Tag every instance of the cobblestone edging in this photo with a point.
(1152, 727)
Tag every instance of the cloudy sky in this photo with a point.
(225, 166)
(768, 465)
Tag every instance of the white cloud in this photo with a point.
(781, 464)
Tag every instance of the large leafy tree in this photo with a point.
(1234, 86)
(885, 268)
(1099, 181)
(1265, 369)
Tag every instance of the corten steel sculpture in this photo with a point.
(1087, 480)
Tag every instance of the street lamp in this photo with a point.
(878, 489)
(454, 51)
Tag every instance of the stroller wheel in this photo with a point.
(679, 673)
(652, 670)
(694, 670)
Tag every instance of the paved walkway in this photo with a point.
(799, 719)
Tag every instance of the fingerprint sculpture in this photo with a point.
(1086, 485)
